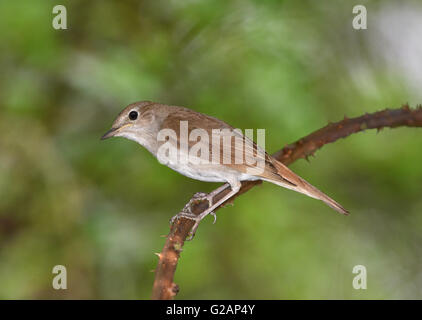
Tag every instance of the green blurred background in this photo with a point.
(290, 67)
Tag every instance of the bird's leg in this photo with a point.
(197, 197)
(235, 187)
(211, 195)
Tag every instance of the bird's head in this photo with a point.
(134, 122)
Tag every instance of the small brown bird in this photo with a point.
(150, 124)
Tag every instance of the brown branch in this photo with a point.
(165, 288)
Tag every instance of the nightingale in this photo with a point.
(144, 122)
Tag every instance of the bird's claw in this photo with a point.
(187, 213)
(215, 217)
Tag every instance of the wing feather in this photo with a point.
(226, 135)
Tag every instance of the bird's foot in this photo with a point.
(188, 214)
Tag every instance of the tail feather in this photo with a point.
(290, 180)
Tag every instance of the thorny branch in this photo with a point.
(164, 288)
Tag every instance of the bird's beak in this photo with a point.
(110, 133)
(113, 131)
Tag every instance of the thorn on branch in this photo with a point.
(174, 289)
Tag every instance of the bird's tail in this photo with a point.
(292, 181)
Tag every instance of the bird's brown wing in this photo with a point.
(239, 145)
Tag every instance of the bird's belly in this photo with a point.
(198, 173)
(210, 173)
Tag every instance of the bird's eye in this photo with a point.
(133, 115)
